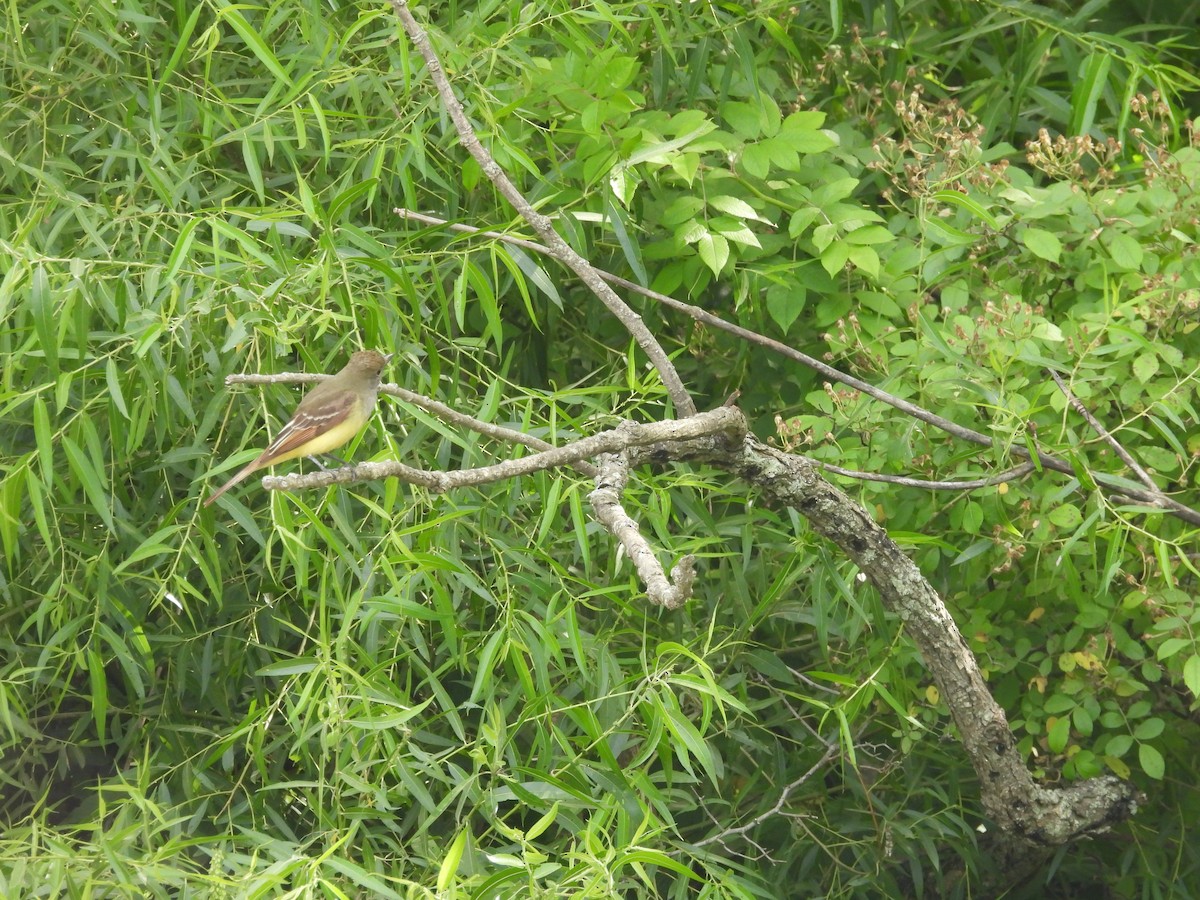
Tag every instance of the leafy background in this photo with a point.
(379, 692)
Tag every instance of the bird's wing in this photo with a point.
(310, 420)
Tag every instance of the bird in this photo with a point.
(327, 417)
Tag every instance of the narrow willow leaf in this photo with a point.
(112, 377)
(449, 866)
(89, 478)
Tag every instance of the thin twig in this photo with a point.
(830, 749)
(1141, 473)
(1011, 475)
(532, 246)
(557, 247)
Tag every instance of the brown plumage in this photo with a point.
(329, 416)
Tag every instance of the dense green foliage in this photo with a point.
(375, 691)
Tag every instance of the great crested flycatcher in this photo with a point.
(329, 415)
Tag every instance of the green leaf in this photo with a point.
(44, 436)
(735, 207)
(592, 116)
(1191, 675)
(1119, 768)
(1080, 467)
(833, 191)
(13, 490)
(1152, 761)
(1125, 250)
(254, 41)
(782, 154)
(1145, 367)
(89, 477)
(536, 829)
(616, 219)
(41, 304)
(181, 248)
(345, 199)
(1119, 745)
(785, 302)
(538, 276)
(871, 234)
(834, 257)
(804, 120)
(745, 119)
(449, 866)
(1065, 516)
(373, 885)
(1042, 243)
(943, 233)
(684, 208)
(824, 235)
(112, 377)
(972, 517)
(285, 667)
(1148, 729)
(714, 250)
(390, 720)
(1059, 734)
(155, 545)
(1049, 332)
(686, 165)
(801, 219)
(978, 548)
(1171, 646)
(735, 230)
(690, 740)
(253, 169)
(756, 159)
(806, 141)
(1088, 90)
(98, 682)
(691, 231)
(933, 333)
(962, 201)
(865, 258)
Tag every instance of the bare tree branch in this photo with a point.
(717, 426)
(1033, 818)
(1036, 818)
(532, 246)
(1153, 497)
(557, 247)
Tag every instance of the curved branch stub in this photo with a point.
(611, 479)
